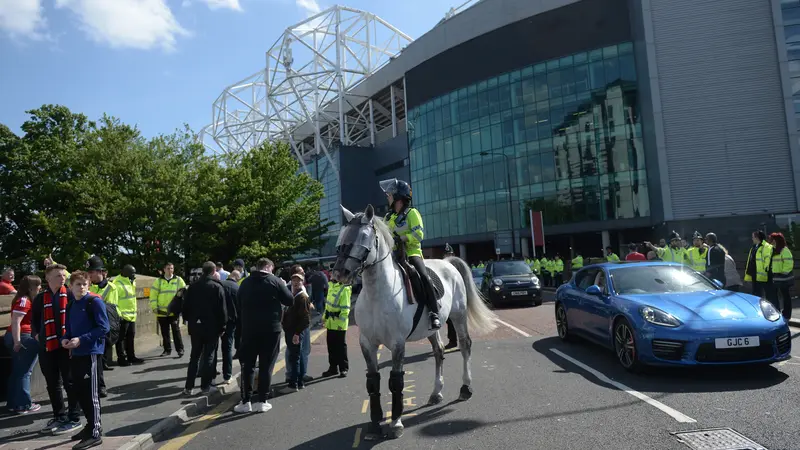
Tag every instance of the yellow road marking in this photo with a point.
(198, 425)
(357, 439)
(364, 407)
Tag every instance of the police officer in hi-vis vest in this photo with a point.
(126, 305)
(336, 318)
(161, 294)
(109, 292)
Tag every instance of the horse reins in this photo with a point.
(364, 265)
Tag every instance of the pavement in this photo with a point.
(531, 391)
(145, 403)
(139, 398)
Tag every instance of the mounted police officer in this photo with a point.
(405, 222)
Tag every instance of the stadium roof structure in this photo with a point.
(303, 94)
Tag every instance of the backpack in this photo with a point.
(113, 324)
(113, 319)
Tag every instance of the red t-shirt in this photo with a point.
(6, 288)
(22, 306)
(635, 256)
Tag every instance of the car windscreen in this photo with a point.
(636, 279)
(511, 268)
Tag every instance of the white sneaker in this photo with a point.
(261, 407)
(243, 408)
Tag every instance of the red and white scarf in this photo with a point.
(51, 333)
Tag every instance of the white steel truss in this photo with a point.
(302, 96)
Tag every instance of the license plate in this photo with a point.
(737, 342)
(519, 293)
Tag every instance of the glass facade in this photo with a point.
(564, 135)
(791, 30)
(329, 209)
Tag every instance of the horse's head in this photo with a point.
(356, 248)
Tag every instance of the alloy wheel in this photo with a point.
(561, 322)
(624, 345)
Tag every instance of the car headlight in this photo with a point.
(770, 312)
(659, 317)
(535, 281)
(497, 282)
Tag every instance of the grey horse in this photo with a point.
(385, 316)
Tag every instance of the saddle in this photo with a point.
(413, 279)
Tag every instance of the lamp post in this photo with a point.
(510, 207)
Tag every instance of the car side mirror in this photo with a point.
(594, 290)
(718, 284)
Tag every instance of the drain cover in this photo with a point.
(717, 439)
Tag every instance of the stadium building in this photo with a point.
(619, 120)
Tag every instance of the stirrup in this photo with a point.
(435, 318)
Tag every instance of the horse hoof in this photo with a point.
(435, 399)
(466, 393)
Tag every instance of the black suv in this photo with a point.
(511, 281)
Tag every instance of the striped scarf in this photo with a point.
(51, 333)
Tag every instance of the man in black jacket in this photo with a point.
(261, 297)
(715, 259)
(231, 287)
(205, 311)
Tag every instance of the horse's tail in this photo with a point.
(480, 319)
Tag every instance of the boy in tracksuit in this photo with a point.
(87, 325)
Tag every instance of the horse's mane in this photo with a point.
(383, 231)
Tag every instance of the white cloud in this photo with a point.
(216, 4)
(310, 7)
(139, 24)
(22, 18)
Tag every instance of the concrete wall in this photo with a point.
(716, 73)
(358, 166)
(146, 327)
(540, 30)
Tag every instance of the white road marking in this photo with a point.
(675, 414)
(512, 327)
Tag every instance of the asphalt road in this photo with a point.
(531, 391)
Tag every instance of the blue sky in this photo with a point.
(153, 63)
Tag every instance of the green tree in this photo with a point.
(73, 187)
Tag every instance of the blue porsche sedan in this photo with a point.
(657, 313)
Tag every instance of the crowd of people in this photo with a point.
(64, 326)
(72, 324)
(769, 265)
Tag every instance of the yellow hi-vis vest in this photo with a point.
(696, 258)
(545, 264)
(783, 263)
(558, 265)
(126, 304)
(110, 294)
(162, 293)
(537, 266)
(408, 225)
(337, 306)
(670, 254)
(577, 262)
(763, 257)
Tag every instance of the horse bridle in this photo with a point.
(364, 266)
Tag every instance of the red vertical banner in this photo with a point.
(537, 229)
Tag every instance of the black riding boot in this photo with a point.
(430, 295)
(433, 305)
